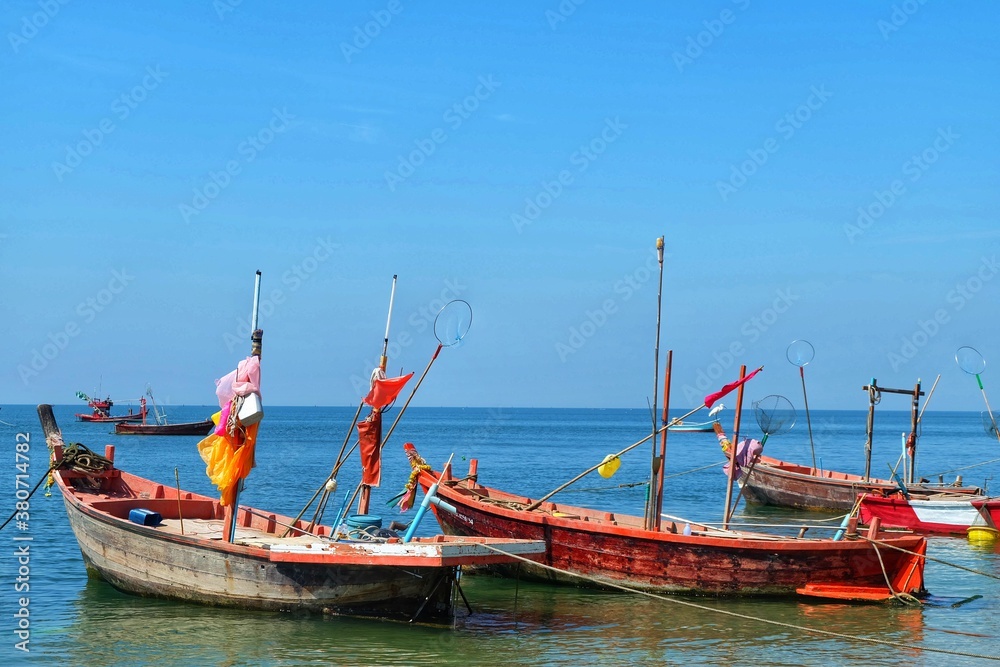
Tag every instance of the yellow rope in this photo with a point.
(747, 617)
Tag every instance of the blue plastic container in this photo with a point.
(145, 517)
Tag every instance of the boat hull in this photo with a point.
(610, 550)
(944, 516)
(184, 557)
(188, 428)
(784, 484)
(103, 419)
(147, 565)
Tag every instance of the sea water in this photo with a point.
(80, 621)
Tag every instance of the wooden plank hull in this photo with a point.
(940, 516)
(615, 549)
(262, 568)
(784, 484)
(136, 562)
(188, 428)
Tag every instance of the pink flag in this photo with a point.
(712, 398)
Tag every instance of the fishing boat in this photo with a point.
(162, 427)
(659, 553)
(147, 538)
(772, 481)
(680, 426)
(589, 547)
(183, 428)
(101, 411)
(939, 514)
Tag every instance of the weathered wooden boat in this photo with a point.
(939, 514)
(589, 547)
(183, 428)
(772, 481)
(149, 539)
(784, 484)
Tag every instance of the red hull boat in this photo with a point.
(942, 514)
(102, 411)
(606, 548)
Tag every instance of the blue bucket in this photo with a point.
(363, 521)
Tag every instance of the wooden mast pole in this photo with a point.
(911, 443)
(732, 448)
(663, 442)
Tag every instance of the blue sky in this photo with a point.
(821, 173)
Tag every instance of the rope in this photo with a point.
(747, 617)
(974, 465)
(75, 457)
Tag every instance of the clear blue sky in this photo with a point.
(820, 172)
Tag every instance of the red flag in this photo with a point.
(370, 446)
(712, 398)
(384, 391)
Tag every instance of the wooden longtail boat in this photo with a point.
(606, 548)
(699, 427)
(940, 514)
(776, 482)
(186, 428)
(184, 555)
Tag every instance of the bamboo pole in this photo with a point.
(732, 448)
(663, 441)
(650, 516)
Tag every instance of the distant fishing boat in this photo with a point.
(161, 427)
(699, 427)
(185, 428)
(101, 411)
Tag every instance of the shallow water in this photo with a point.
(524, 451)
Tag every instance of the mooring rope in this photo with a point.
(932, 559)
(747, 617)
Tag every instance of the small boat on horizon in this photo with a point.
(101, 411)
(162, 427)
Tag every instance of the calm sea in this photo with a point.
(77, 621)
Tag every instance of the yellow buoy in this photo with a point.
(982, 534)
(609, 466)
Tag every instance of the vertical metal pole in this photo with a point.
(254, 350)
(872, 389)
(654, 469)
